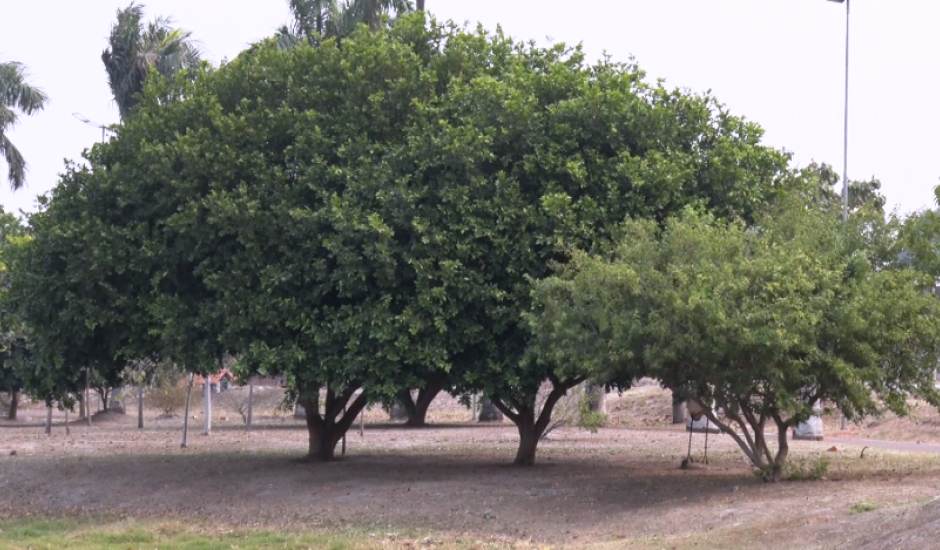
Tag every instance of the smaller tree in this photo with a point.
(760, 322)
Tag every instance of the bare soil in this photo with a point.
(619, 488)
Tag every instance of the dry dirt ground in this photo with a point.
(619, 488)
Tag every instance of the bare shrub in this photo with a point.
(266, 401)
(573, 409)
(169, 388)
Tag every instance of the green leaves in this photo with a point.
(763, 320)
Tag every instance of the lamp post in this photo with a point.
(845, 131)
(90, 123)
(845, 144)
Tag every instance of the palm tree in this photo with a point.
(332, 18)
(133, 50)
(15, 95)
(371, 11)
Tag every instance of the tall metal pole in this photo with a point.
(845, 145)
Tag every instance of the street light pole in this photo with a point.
(90, 123)
(845, 136)
(845, 144)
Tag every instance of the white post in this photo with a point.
(208, 411)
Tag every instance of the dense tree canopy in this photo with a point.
(368, 213)
(759, 322)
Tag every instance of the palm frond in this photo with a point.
(15, 161)
(134, 50)
(16, 92)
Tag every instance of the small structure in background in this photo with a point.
(219, 381)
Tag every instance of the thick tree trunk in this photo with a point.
(86, 400)
(417, 409)
(420, 5)
(783, 449)
(189, 394)
(531, 428)
(327, 429)
(528, 438)
(48, 419)
(14, 404)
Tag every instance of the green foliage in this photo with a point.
(764, 320)
(15, 95)
(369, 212)
(862, 507)
(102, 534)
(135, 49)
(815, 470)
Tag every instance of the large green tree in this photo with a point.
(16, 94)
(757, 323)
(367, 214)
(135, 49)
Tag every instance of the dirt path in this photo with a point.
(906, 446)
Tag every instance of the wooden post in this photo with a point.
(140, 399)
(189, 393)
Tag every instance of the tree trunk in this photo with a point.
(251, 394)
(678, 408)
(528, 438)
(531, 428)
(326, 430)
(14, 404)
(420, 5)
(208, 403)
(783, 449)
(86, 399)
(140, 406)
(417, 409)
(397, 412)
(48, 419)
(489, 412)
(189, 394)
(596, 398)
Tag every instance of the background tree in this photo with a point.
(763, 321)
(15, 95)
(134, 49)
(320, 19)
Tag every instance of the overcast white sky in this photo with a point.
(779, 62)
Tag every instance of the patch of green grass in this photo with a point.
(862, 507)
(43, 534)
(801, 470)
